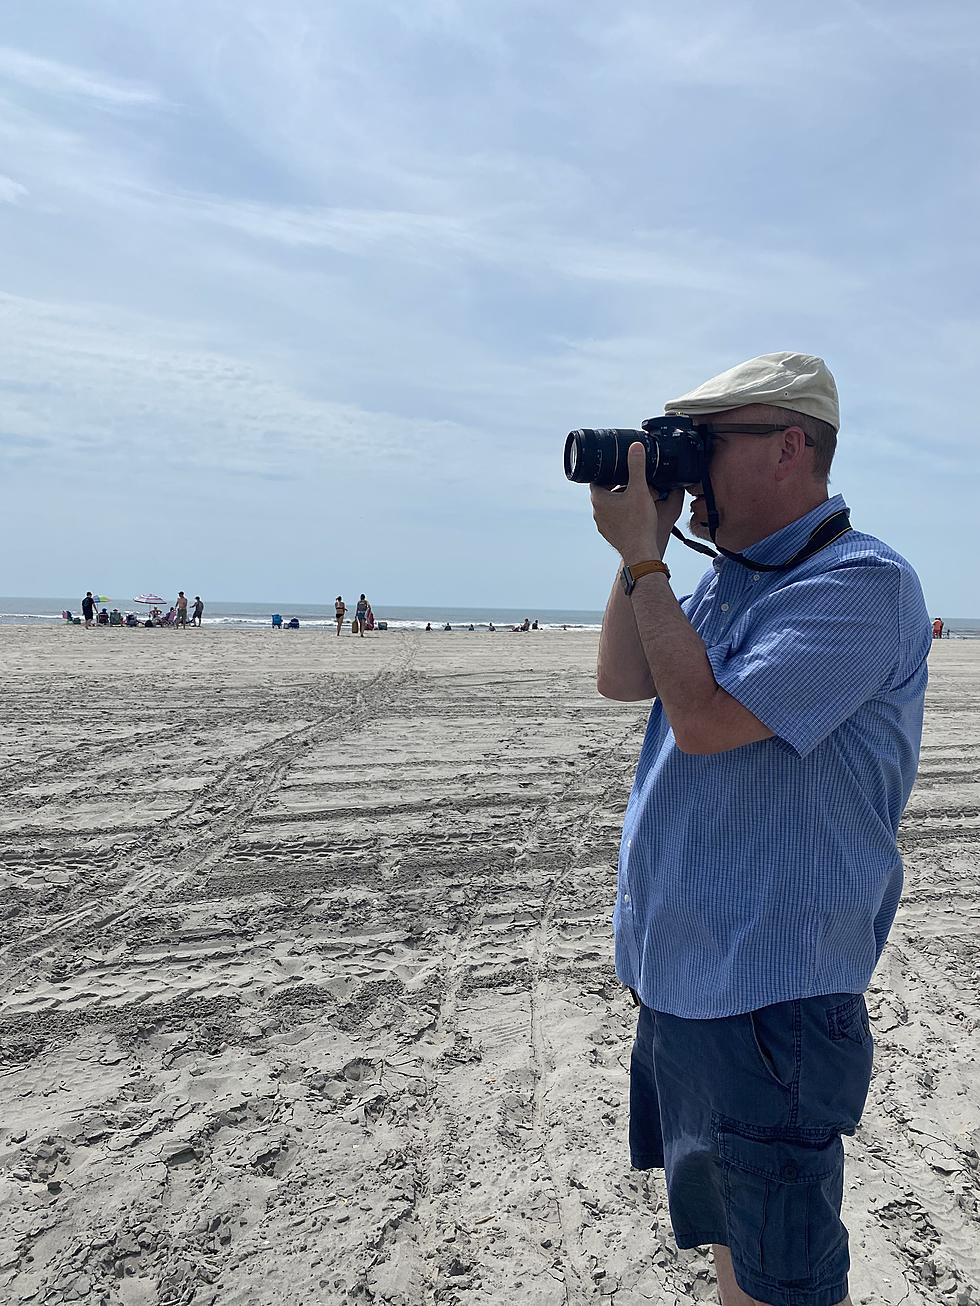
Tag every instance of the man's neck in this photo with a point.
(783, 515)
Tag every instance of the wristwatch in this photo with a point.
(630, 575)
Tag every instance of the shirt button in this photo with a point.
(724, 607)
(757, 577)
(790, 1171)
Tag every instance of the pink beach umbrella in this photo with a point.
(149, 598)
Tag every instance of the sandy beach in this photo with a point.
(308, 992)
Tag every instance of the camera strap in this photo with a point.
(832, 528)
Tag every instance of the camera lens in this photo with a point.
(600, 457)
(573, 455)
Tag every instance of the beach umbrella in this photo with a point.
(149, 598)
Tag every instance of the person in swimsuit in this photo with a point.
(340, 611)
(360, 615)
(198, 611)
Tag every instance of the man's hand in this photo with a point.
(634, 521)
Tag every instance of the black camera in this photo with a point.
(678, 453)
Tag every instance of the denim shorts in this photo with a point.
(745, 1115)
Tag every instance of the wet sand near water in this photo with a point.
(308, 992)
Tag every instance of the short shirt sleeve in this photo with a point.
(807, 655)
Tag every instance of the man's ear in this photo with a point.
(791, 449)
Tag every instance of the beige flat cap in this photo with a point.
(801, 382)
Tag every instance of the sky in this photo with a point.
(299, 299)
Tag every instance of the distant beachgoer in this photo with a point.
(428, 625)
(447, 626)
(170, 618)
(360, 616)
(534, 624)
(471, 626)
(115, 617)
(103, 618)
(180, 609)
(292, 623)
(526, 624)
(937, 628)
(88, 609)
(340, 611)
(197, 617)
(370, 617)
(491, 627)
(132, 620)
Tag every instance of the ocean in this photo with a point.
(253, 616)
(249, 616)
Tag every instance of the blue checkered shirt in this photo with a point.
(771, 871)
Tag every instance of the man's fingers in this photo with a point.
(636, 460)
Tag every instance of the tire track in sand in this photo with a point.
(223, 808)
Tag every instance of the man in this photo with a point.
(88, 609)
(759, 874)
(181, 609)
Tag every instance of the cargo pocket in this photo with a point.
(783, 1190)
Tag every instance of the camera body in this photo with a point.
(678, 453)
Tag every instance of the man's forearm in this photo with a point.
(704, 717)
(624, 669)
(675, 654)
(623, 672)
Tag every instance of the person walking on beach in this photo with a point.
(791, 682)
(340, 611)
(197, 616)
(937, 628)
(88, 609)
(181, 609)
(360, 615)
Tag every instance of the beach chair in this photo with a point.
(277, 621)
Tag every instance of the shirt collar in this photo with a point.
(782, 544)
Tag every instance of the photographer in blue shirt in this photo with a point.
(759, 873)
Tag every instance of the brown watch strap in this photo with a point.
(639, 569)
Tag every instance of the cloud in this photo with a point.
(101, 386)
(411, 246)
(53, 78)
(11, 192)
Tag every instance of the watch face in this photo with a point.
(626, 576)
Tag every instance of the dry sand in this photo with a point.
(308, 993)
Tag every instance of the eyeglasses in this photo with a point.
(747, 428)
